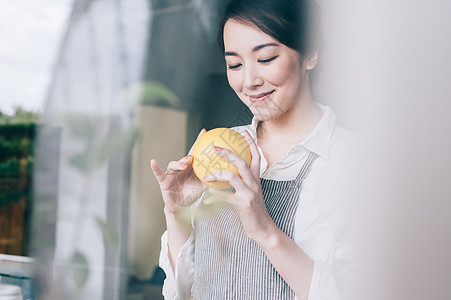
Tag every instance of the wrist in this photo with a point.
(174, 211)
(271, 239)
(181, 215)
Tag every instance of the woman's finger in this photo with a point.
(255, 162)
(238, 162)
(156, 170)
(178, 165)
(233, 179)
(171, 171)
(175, 167)
(198, 136)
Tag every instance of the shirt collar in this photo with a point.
(319, 140)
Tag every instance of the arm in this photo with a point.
(177, 255)
(180, 188)
(309, 279)
(178, 232)
(295, 267)
(328, 237)
(176, 286)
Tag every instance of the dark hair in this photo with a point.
(291, 22)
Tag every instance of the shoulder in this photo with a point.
(329, 176)
(342, 142)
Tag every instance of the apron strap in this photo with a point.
(305, 169)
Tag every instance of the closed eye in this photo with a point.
(234, 66)
(265, 61)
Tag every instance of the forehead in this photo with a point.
(239, 36)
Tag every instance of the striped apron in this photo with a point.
(229, 265)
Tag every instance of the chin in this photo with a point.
(265, 115)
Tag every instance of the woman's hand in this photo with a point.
(248, 198)
(179, 186)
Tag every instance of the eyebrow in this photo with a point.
(256, 48)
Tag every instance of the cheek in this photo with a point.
(235, 80)
(279, 74)
(286, 74)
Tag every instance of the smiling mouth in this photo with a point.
(260, 97)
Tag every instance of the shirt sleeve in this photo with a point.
(334, 281)
(323, 285)
(178, 285)
(334, 272)
(335, 232)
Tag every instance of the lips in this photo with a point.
(260, 97)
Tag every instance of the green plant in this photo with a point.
(20, 116)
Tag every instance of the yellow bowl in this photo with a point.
(206, 160)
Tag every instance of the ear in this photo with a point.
(311, 60)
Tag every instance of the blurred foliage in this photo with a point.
(153, 92)
(97, 148)
(10, 168)
(20, 116)
(79, 268)
(101, 139)
(11, 130)
(81, 125)
(17, 133)
(16, 146)
(148, 92)
(110, 235)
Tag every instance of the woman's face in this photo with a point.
(267, 76)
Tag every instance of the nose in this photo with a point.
(252, 78)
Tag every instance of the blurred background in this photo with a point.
(90, 90)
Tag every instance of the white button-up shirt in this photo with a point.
(320, 217)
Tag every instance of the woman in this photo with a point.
(278, 235)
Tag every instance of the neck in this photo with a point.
(294, 125)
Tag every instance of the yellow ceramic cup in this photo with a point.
(206, 160)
